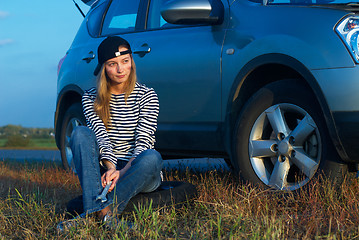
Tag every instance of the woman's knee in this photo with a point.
(82, 134)
(84, 146)
(150, 159)
(154, 157)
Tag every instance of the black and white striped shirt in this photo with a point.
(132, 126)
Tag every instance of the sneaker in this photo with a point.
(112, 222)
(67, 225)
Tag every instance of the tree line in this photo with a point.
(17, 130)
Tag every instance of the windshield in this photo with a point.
(308, 2)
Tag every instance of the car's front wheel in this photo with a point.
(281, 140)
(73, 117)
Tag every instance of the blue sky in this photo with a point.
(34, 36)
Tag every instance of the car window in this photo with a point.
(155, 20)
(121, 17)
(95, 19)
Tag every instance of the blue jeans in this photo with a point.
(142, 176)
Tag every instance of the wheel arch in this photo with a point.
(270, 68)
(67, 96)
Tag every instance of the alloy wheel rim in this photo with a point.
(285, 147)
(73, 123)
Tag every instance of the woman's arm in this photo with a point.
(95, 124)
(147, 122)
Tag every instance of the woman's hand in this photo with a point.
(110, 175)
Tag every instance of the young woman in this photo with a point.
(117, 144)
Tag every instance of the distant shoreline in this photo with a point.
(33, 143)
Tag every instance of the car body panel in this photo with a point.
(340, 88)
(347, 124)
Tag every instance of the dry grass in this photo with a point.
(33, 199)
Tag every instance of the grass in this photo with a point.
(2, 142)
(35, 143)
(34, 196)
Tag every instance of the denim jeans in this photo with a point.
(142, 176)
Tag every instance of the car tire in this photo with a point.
(168, 193)
(281, 140)
(73, 117)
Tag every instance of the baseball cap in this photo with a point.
(109, 49)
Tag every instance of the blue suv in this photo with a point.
(271, 86)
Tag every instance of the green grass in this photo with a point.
(34, 196)
(35, 143)
(43, 143)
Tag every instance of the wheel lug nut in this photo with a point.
(282, 158)
(291, 140)
(274, 147)
(281, 136)
(292, 154)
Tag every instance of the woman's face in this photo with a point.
(118, 69)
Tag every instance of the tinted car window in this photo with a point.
(95, 19)
(155, 19)
(121, 17)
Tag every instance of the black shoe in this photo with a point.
(112, 222)
(68, 224)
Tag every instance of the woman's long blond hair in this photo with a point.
(103, 97)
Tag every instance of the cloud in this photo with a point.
(4, 42)
(3, 14)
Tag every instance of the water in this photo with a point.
(30, 155)
(196, 164)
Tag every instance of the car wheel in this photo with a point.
(168, 193)
(73, 117)
(281, 140)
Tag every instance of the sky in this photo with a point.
(34, 36)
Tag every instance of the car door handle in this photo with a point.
(89, 57)
(143, 50)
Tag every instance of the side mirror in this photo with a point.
(193, 12)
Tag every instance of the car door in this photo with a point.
(182, 64)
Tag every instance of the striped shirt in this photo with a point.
(133, 125)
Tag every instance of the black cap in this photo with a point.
(109, 49)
